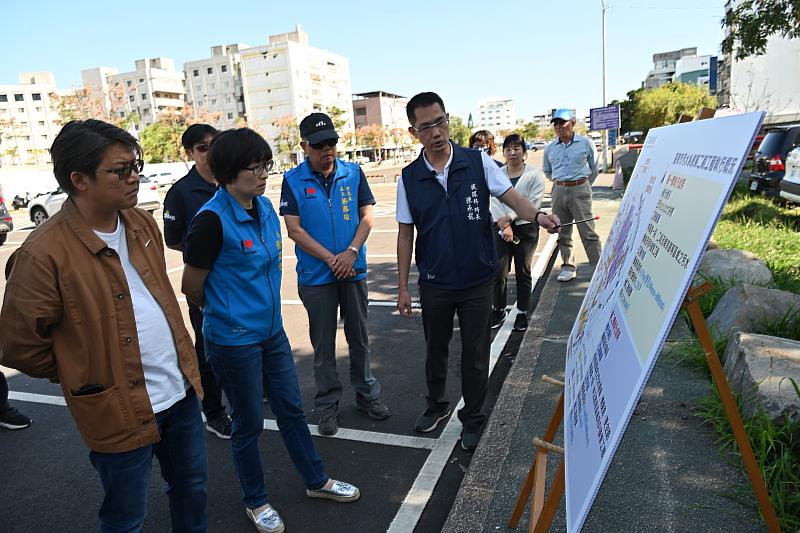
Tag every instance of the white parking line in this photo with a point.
(421, 491)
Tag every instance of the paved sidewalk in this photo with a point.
(666, 475)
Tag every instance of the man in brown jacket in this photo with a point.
(88, 305)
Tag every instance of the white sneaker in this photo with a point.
(267, 521)
(567, 275)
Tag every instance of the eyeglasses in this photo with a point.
(329, 143)
(442, 125)
(262, 168)
(125, 172)
(202, 148)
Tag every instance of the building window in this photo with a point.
(18, 98)
(266, 74)
(144, 96)
(36, 96)
(230, 116)
(21, 109)
(361, 111)
(128, 83)
(213, 101)
(3, 98)
(141, 80)
(195, 73)
(210, 70)
(224, 68)
(44, 137)
(130, 98)
(41, 122)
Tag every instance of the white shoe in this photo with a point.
(267, 521)
(567, 275)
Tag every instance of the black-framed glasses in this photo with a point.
(442, 125)
(262, 168)
(124, 173)
(328, 143)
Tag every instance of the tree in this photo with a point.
(665, 104)
(287, 139)
(373, 136)
(752, 22)
(529, 131)
(459, 132)
(161, 141)
(91, 102)
(336, 114)
(627, 109)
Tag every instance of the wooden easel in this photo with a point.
(543, 511)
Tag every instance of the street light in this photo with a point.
(605, 132)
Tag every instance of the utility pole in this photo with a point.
(605, 132)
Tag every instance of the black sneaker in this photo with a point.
(328, 424)
(469, 440)
(221, 427)
(428, 421)
(13, 419)
(521, 322)
(498, 316)
(376, 408)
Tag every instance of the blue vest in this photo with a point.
(331, 221)
(455, 245)
(243, 289)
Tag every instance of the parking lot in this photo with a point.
(408, 482)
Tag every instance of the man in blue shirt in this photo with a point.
(327, 206)
(181, 204)
(570, 163)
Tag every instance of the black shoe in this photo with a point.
(521, 322)
(469, 440)
(328, 424)
(428, 421)
(221, 427)
(376, 409)
(13, 419)
(498, 316)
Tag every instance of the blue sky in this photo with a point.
(541, 54)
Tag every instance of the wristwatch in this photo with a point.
(353, 249)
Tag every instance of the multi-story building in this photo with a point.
(154, 89)
(769, 82)
(697, 70)
(287, 79)
(214, 86)
(496, 114)
(664, 67)
(381, 108)
(29, 120)
(543, 121)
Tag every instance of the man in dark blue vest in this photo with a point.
(444, 194)
(327, 206)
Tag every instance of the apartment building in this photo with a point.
(287, 79)
(381, 108)
(664, 67)
(496, 114)
(697, 70)
(29, 120)
(214, 86)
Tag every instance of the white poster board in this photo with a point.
(681, 182)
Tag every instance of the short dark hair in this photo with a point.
(422, 100)
(234, 150)
(80, 145)
(515, 140)
(195, 134)
(486, 137)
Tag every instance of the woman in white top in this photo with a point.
(515, 237)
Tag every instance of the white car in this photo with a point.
(43, 207)
(790, 184)
(162, 179)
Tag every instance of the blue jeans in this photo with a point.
(241, 371)
(181, 453)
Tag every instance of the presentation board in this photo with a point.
(679, 186)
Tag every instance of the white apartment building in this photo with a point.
(496, 114)
(214, 86)
(28, 120)
(288, 79)
(155, 88)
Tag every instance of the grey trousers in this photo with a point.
(575, 203)
(322, 302)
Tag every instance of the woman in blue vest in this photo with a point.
(233, 271)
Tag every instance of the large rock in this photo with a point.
(758, 367)
(734, 266)
(747, 308)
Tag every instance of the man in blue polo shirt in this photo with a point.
(570, 163)
(327, 206)
(444, 194)
(181, 203)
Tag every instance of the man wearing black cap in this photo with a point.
(327, 206)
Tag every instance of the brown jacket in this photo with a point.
(67, 316)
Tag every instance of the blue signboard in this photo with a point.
(604, 118)
(612, 137)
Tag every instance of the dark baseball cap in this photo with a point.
(317, 127)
